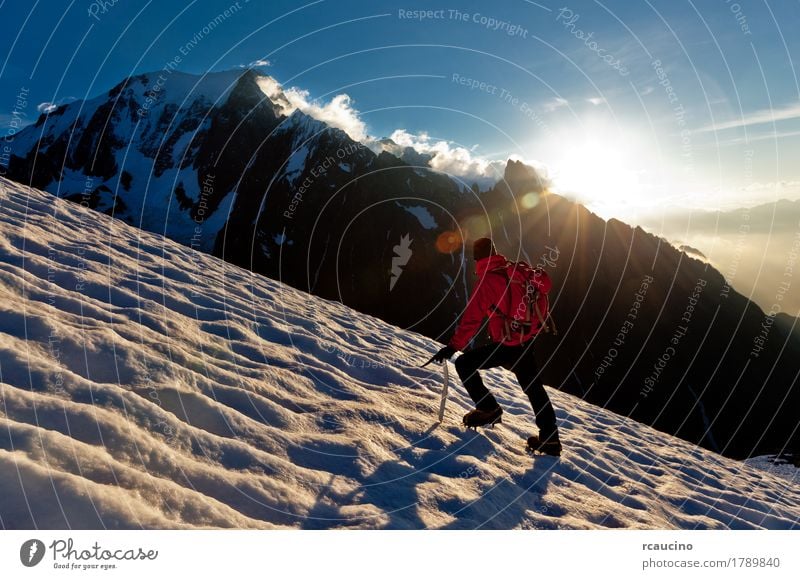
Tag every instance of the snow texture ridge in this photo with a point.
(144, 384)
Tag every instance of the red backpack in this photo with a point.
(524, 306)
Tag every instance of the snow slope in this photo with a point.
(148, 385)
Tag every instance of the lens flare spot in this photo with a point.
(448, 242)
(529, 200)
(477, 226)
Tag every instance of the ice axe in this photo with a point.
(445, 386)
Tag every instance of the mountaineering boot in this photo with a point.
(546, 444)
(478, 417)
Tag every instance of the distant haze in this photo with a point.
(757, 249)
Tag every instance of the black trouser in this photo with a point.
(518, 359)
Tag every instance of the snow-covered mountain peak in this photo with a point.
(179, 87)
(145, 384)
(147, 94)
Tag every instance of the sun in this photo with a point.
(602, 173)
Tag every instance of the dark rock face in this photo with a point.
(644, 329)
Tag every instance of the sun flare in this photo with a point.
(600, 173)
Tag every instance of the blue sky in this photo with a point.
(631, 106)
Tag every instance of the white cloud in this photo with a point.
(46, 107)
(554, 104)
(452, 159)
(260, 62)
(756, 118)
(456, 161)
(270, 87)
(780, 187)
(596, 101)
(338, 112)
(751, 138)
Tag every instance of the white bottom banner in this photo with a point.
(356, 554)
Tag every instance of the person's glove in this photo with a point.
(444, 354)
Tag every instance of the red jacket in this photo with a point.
(492, 287)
